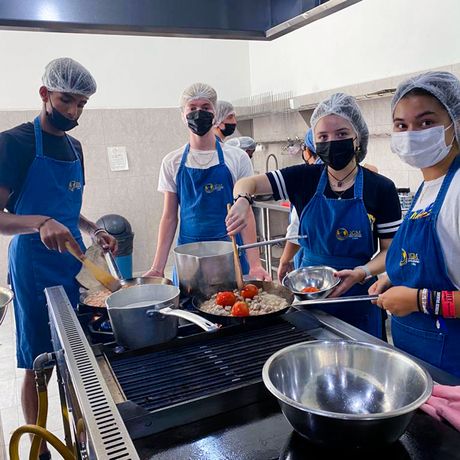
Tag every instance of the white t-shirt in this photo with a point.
(237, 161)
(293, 227)
(448, 225)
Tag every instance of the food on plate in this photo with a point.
(240, 309)
(249, 291)
(310, 289)
(225, 298)
(261, 303)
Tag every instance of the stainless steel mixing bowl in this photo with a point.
(6, 296)
(346, 393)
(321, 277)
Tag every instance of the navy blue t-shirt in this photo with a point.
(17, 152)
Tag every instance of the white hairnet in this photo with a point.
(68, 76)
(198, 91)
(243, 142)
(444, 86)
(344, 106)
(223, 110)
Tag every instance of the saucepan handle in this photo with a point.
(205, 324)
(271, 242)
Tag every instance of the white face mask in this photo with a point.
(421, 149)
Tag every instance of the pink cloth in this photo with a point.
(444, 403)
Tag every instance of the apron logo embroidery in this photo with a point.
(421, 213)
(74, 185)
(210, 188)
(408, 258)
(342, 234)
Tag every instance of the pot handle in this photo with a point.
(208, 326)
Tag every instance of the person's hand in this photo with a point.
(107, 242)
(348, 279)
(236, 218)
(154, 272)
(399, 300)
(259, 273)
(284, 268)
(54, 236)
(380, 286)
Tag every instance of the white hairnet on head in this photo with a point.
(198, 91)
(344, 106)
(223, 110)
(243, 142)
(68, 76)
(444, 86)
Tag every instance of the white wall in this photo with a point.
(131, 72)
(371, 40)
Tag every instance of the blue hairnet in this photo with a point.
(309, 141)
(223, 110)
(198, 91)
(444, 86)
(68, 76)
(344, 106)
(243, 142)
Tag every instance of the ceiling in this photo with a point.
(227, 19)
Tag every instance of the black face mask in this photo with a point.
(229, 129)
(200, 121)
(336, 154)
(59, 121)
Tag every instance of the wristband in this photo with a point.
(246, 196)
(367, 272)
(424, 301)
(99, 230)
(43, 223)
(419, 307)
(448, 304)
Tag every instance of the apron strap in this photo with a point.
(184, 155)
(38, 138)
(359, 183)
(322, 182)
(220, 153)
(444, 187)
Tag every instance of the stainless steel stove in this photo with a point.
(200, 395)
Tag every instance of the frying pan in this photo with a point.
(267, 286)
(83, 307)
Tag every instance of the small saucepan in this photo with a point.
(146, 315)
(267, 286)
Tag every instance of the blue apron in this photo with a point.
(340, 236)
(415, 259)
(203, 195)
(52, 188)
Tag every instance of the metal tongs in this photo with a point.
(352, 298)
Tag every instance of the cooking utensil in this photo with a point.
(320, 277)
(6, 296)
(112, 265)
(351, 298)
(346, 393)
(142, 316)
(267, 286)
(105, 278)
(236, 259)
(207, 267)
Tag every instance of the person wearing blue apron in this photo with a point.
(421, 290)
(43, 194)
(344, 209)
(199, 179)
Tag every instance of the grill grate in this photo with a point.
(168, 377)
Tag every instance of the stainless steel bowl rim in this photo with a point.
(8, 294)
(286, 277)
(378, 416)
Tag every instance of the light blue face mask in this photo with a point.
(421, 149)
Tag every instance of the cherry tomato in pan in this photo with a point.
(240, 309)
(225, 299)
(249, 291)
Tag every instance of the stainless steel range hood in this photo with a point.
(229, 19)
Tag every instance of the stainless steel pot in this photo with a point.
(207, 267)
(346, 393)
(146, 315)
(6, 296)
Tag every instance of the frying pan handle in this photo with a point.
(112, 264)
(271, 242)
(205, 324)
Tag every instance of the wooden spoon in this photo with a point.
(105, 278)
(236, 259)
